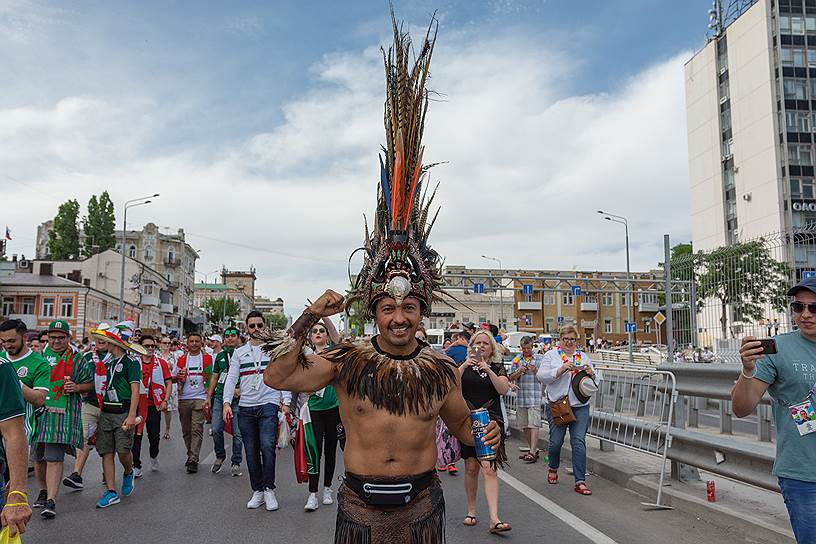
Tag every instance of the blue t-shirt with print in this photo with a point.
(458, 353)
(791, 373)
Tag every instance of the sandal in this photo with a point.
(500, 527)
(469, 523)
(529, 458)
(167, 436)
(582, 489)
(552, 476)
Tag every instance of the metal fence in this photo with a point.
(736, 290)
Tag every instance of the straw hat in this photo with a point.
(117, 335)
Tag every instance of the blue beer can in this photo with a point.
(478, 422)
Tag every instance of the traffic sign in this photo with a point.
(659, 318)
(576, 290)
(560, 320)
(479, 288)
(631, 327)
(527, 289)
(808, 274)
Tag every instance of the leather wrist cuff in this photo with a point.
(300, 328)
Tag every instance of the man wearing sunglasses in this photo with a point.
(193, 375)
(259, 405)
(789, 376)
(215, 399)
(157, 383)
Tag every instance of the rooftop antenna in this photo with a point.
(723, 13)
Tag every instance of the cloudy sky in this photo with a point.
(260, 122)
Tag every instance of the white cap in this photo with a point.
(216, 338)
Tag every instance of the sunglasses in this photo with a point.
(569, 340)
(799, 307)
(149, 346)
(255, 326)
(315, 331)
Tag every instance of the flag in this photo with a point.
(8, 233)
(306, 461)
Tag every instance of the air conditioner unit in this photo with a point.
(24, 264)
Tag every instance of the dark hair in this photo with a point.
(146, 337)
(189, 335)
(526, 341)
(463, 334)
(43, 333)
(255, 313)
(15, 325)
(494, 330)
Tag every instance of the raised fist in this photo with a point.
(328, 304)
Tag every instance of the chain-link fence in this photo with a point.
(729, 292)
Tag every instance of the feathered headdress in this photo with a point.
(398, 260)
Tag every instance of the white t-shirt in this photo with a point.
(193, 386)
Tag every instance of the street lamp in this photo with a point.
(501, 290)
(622, 220)
(129, 204)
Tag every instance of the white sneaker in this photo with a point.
(311, 503)
(257, 500)
(137, 472)
(270, 500)
(327, 495)
(154, 465)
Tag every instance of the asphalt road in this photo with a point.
(171, 506)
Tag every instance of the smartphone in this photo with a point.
(476, 353)
(768, 346)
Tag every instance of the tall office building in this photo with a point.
(751, 113)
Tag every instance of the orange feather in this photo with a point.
(414, 183)
(397, 196)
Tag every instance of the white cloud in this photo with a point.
(527, 166)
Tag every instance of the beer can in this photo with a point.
(478, 422)
(711, 491)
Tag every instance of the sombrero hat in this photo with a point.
(118, 335)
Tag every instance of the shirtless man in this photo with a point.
(383, 447)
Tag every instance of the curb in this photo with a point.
(752, 529)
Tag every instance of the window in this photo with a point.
(466, 319)
(549, 325)
(8, 305)
(148, 253)
(48, 307)
(568, 299)
(800, 154)
(591, 298)
(811, 57)
(132, 252)
(66, 307)
(799, 58)
(795, 89)
(548, 298)
(798, 121)
(795, 188)
(812, 88)
(784, 23)
(797, 25)
(607, 299)
(648, 298)
(27, 306)
(607, 326)
(786, 56)
(810, 24)
(624, 298)
(528, 298)
(647, 326)
(482, 318)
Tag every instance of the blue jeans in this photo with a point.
(259, 430)
(218, 432)
(577, 430)
(800, 499)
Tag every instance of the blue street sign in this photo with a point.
(560, 320)
(631, 327)
(808, 274)
(576, 290)
(527, 289)
(479, 288)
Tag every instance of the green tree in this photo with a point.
(220, 309)
(99, 224)
(743, 277)
(63, 239)
(356, 322)
(681, 250)
(276, 321)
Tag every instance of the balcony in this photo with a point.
(529, 305)
(150, 300)
(589, 306)
(174, 284)
(588, 324)
(166, 308)
(172, 262)
(651, 307)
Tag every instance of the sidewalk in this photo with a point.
(756, 513)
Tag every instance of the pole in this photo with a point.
(122, 275)
(631, 291)
(501, 294)
(669, 317)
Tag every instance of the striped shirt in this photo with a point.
(35, 373)
(246, 370)
(58, 426)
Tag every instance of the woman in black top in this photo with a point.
(484, 381)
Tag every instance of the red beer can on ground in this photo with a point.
(711, 491)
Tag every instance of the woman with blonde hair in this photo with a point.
(558, 369)
(484, 381)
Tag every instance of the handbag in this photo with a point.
(561, 411)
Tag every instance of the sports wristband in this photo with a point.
(23, 494)
(17, 504)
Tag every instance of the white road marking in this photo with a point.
(570, 519)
